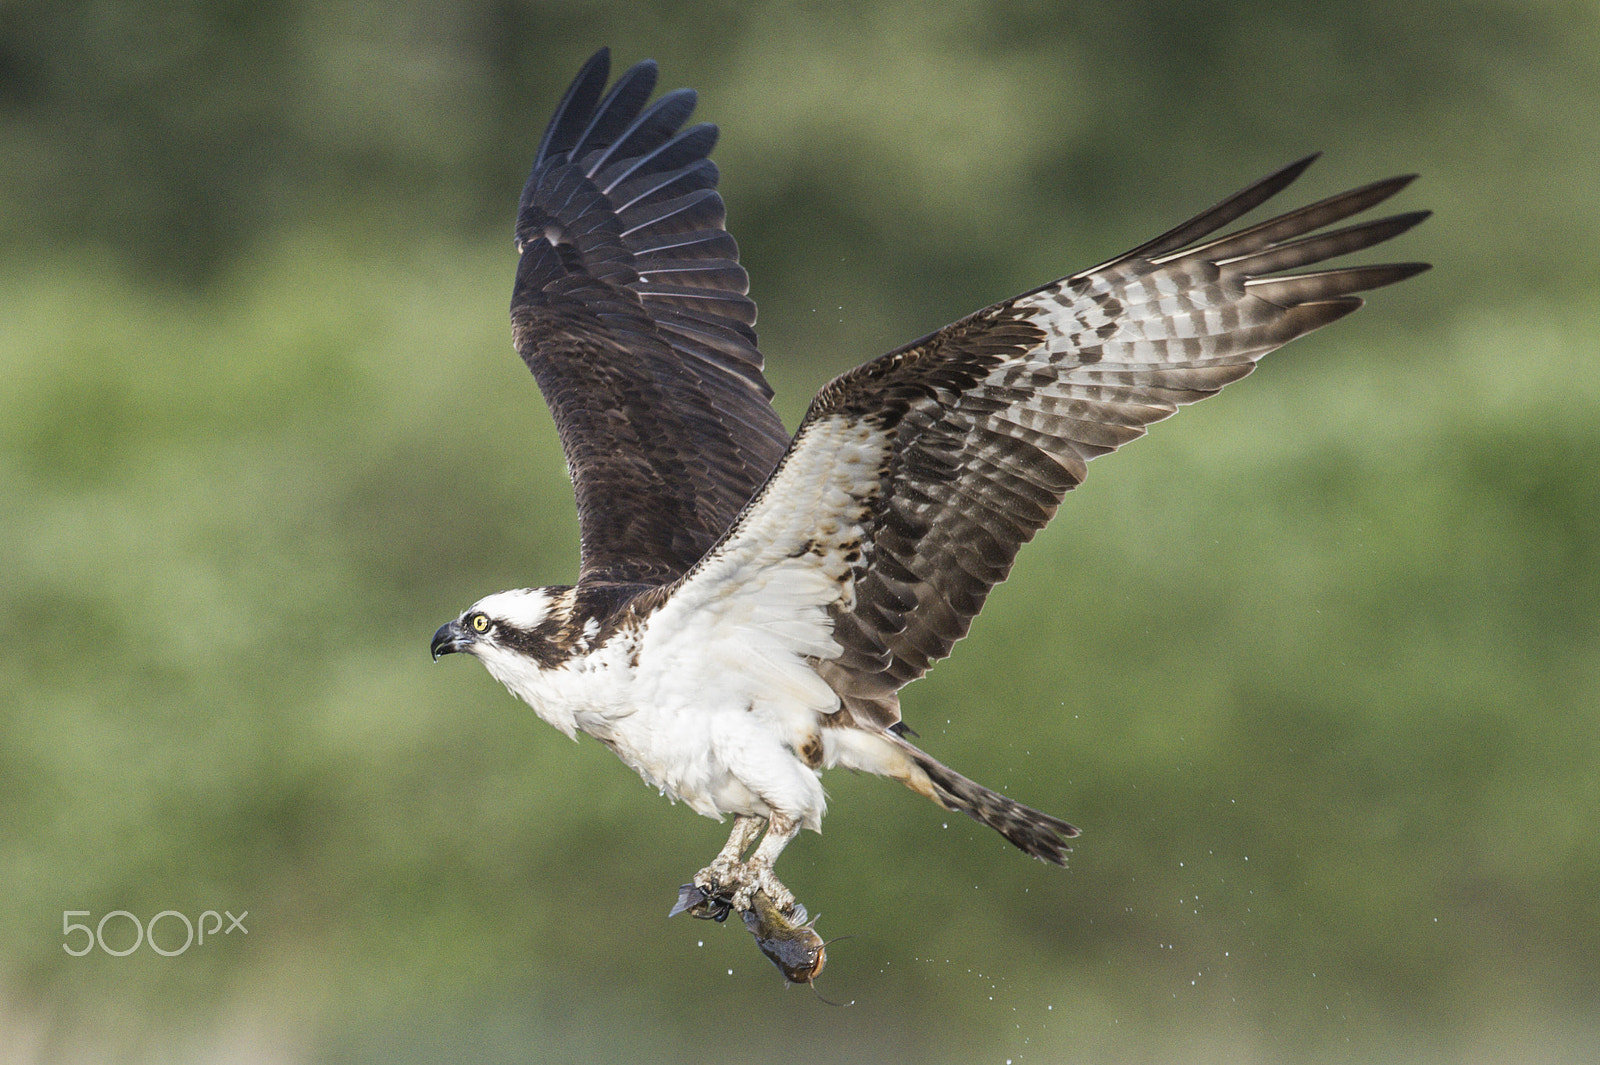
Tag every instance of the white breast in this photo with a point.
(714, 732)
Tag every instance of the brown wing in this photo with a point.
(630, 308)
(995, 417)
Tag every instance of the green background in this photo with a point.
(1316, 666)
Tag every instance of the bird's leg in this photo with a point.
(726, 872)
(758, 874)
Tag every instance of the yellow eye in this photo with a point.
(479, 623)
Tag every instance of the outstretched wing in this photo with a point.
(630, 308)
(975, 433)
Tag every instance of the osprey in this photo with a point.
(749, 604)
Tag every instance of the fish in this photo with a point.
(787, 938)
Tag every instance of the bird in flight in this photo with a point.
(749, 603)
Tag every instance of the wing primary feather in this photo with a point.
(685, 179)
(616, 111)
(643, 136)
(1314, 249)
(572, 114)
(1302, 288)
(692, 144)
(1294, 223)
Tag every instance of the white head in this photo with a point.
(526, 622)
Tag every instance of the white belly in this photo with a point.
(719, 736)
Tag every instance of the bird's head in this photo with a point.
(527, 622)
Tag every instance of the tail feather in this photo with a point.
(1037, 833)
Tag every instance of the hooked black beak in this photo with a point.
(450, 638)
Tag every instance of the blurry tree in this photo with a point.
(173, 133)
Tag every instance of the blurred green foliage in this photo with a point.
(1317, 666)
